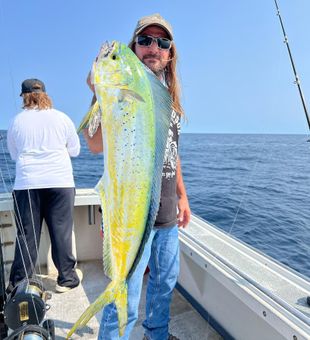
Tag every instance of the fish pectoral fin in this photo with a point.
(131, 95)
(115, 292)
(91, 115)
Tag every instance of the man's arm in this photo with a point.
(183, 205)
(95, 143)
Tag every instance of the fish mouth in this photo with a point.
(106, 49)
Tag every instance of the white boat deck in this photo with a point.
(186, 323)
(269, 297)
(242, 293)
(274, 280)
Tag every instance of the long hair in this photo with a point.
(171, 78)
(38, 100)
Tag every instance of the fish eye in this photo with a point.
(114, 57)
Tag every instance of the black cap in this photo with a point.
(32, 85)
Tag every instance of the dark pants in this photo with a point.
(55, 206)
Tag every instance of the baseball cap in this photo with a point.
(149, 20)
(32, 85)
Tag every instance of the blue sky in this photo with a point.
(234, 68)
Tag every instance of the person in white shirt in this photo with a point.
(41, 141)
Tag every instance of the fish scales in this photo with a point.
(135, 115)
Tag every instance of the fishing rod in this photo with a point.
(297, 81)
(23, 308)
(3, 326)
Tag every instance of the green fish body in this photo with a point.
(135, 116)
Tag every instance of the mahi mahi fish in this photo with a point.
(135, 111)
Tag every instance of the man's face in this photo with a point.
(153, 57)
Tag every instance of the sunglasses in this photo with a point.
(147, 41)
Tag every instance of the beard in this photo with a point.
(155, 63)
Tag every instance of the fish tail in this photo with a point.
(121, 306)
(115, 292)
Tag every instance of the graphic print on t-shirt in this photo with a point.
(171, 153)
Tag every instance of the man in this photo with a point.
(153, 44)
(41, 140)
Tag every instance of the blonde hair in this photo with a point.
(171, 77)
(39, 100)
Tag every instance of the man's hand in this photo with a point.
(89, 83)
(184, 214)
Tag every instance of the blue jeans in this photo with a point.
(161, 253)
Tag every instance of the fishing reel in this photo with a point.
(25, 310)
(34, 332)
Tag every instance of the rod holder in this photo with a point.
(91, 215)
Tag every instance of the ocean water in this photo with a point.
(255, 187)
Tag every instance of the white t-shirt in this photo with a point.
(41, 142)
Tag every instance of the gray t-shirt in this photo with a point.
(167, 213)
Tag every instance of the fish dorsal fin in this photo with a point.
(162, 105)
